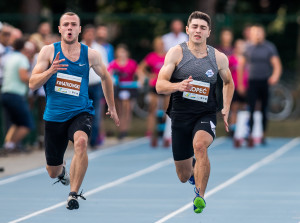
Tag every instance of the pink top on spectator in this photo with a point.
(233, 63)
(155, 62)
(125, 73)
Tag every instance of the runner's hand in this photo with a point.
(56, 66)
(225, 113)
(113, 115)
(185, 84)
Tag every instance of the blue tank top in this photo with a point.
(67, 90)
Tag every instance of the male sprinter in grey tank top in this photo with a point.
(189, 74)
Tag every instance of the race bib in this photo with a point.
(199, 91)
(68, 84)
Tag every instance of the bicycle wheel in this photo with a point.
(281, 102)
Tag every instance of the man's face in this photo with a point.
(101, 33)
(198, 31)
(226, 37)
(89, 35)
(5, 35)
(257, 35)
(69, 28)
(177, 26)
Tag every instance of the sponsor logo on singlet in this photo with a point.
(209, 73)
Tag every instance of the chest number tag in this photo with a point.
(68, 84)
(199, 91)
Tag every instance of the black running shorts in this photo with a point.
(183, 132)
(58, 134)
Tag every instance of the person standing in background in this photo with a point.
(176, 36)
(124, 70)
(153, 63)
(264, 70)
(226, 38)
(5, 48)
(95, 87)
(238, 101)
(14, 92)
(102, 39)
(171, 39)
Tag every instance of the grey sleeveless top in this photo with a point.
(201, 69)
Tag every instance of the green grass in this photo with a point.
(287, 128)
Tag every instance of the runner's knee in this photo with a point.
(80, 145)
(200, 147)
(53, 172)
(183, 177)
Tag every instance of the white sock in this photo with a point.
(9, 145)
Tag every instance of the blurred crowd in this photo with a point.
(253, 61)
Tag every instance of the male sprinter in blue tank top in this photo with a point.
(63, 69)
(189, 74)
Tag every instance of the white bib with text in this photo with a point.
(68, 84)
(199, 91)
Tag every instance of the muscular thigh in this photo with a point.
(82, 122)
(56, 142)
(182, 137)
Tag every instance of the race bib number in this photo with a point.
(199, 91)
(68, 84)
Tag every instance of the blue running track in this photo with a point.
(133, 183)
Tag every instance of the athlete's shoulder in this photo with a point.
(221, 59)
(47, 51)
(93, 53)
(177, 50)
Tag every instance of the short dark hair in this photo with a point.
(70, 14)
(87, 27)
(19, 44)
(258, 25)
(199, 15)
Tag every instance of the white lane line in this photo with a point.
(103, 187)
(282, 150)
(92, 155)
(152, 168)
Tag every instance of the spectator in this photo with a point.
(15, 34)
(102, 39)
(264, 71)
(41, 37)
(238, 101)
(171, 39)
(150, 67)
(176, 36)
(124, 70)
(95, 87)
(14, 89)
(226, 38)
(5, 49)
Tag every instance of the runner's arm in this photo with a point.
(106, 81)
(228, 85)
(163, 85)
(41, 74)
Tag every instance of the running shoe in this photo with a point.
(192, 179)
(199, 202)
(72, 202)
(64, 177)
